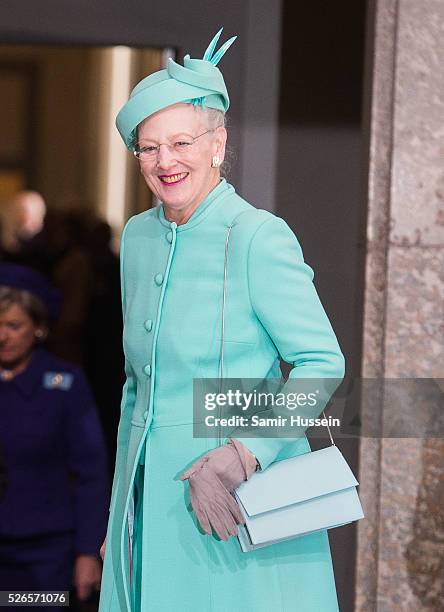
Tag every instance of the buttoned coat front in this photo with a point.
(172, 288)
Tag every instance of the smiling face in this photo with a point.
(181, 180)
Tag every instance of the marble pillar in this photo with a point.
(400, 559)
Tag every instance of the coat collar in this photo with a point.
(208, 204)
(28, 380)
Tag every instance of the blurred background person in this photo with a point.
(3, 474)
(21, 221)
(69, 265)
(53, 513)
(78, 259)
(72, 249)
(104, 362)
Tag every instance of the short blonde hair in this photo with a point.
(31, 304)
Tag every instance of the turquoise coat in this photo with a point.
(172, 283)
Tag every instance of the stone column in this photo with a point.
(400, 560)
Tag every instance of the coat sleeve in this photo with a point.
(129, 390)
(88, 464)
(286, 302)
(128, 400)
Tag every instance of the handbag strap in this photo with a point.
(221, 359)
(222, 342)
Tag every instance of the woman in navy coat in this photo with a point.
(54, 509)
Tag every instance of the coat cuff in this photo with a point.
(265, 451)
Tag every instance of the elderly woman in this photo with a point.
(161, 552)
(54, 505)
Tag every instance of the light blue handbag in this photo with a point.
(296, 496)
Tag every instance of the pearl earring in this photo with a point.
(39, 333)
(215, 162)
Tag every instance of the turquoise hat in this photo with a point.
(198, 81)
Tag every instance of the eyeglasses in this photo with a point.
(181, 147)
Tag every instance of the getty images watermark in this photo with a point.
(263, 401)
(370, 407)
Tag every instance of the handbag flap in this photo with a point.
(295, 480)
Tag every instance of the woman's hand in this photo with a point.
(102, 550)
(212, 503)
(87, 575)
(212, 479)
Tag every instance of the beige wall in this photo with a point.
(401, 551)
(61, 168)
(79, 159)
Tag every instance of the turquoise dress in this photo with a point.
(157, 558)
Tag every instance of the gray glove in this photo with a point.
(212, 479)
(213, 505)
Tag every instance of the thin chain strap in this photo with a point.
(224, 299)
(221, 360)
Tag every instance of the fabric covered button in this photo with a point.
(148, 325)
(147, 370)
(145, 415)
(169, 237)
(158, 279)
